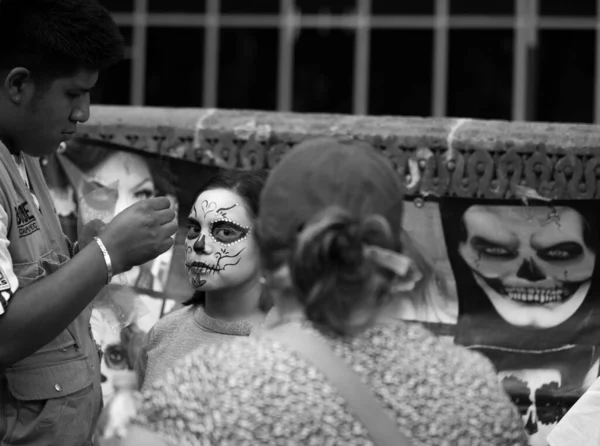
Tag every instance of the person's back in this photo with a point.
(334, 262)
(256, 391)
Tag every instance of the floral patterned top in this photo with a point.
(256, 391)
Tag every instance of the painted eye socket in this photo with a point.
(193, 231)
(492, 249)
(561, 251)
(227, 232)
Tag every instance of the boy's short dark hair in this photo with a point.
(56, 38)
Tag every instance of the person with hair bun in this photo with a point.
(336, 367)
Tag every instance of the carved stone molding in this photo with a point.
(435, 157)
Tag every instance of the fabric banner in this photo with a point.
(526, 281)
(91, 182)
(515, 281)
(518, 282)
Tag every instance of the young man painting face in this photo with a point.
(50, 54)
(220, 250)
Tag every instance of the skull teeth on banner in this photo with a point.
(536, 270)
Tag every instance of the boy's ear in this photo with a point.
(17, 83)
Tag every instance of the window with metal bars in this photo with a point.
(514, 59)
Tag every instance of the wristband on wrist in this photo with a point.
(107, 259)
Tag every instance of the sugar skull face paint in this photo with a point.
(220, 250)
(533, 263)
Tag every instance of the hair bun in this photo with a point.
(375, 230)
(330, 271)
(345, 245)
(336, 237)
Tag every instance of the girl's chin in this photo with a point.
(202, 284)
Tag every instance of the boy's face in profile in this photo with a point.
(50, 113)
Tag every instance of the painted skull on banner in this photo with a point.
(534, 263)
(535, 391)
(532, 387)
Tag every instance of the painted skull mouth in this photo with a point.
(536, 295)
(202, 268)
(531, 295)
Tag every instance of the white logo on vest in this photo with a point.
(26, 222)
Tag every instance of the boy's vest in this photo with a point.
(52, 396)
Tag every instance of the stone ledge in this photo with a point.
(435, 156)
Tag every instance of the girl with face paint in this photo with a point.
(223, 265)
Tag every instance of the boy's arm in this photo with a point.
(38, 313)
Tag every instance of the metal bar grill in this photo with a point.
(361, 58)
(526, 22)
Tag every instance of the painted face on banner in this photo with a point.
(532, 262)
(533, 386)
(115, 184)
(536, 392)
(221, 252)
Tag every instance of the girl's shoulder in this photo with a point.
(173, 320)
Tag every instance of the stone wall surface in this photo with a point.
(436, 157)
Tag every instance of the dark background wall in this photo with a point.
(480, 56)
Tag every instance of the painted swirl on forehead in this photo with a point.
(223, 211)
(208, 207)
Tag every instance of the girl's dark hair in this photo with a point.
(327, 271)
(248, 185)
